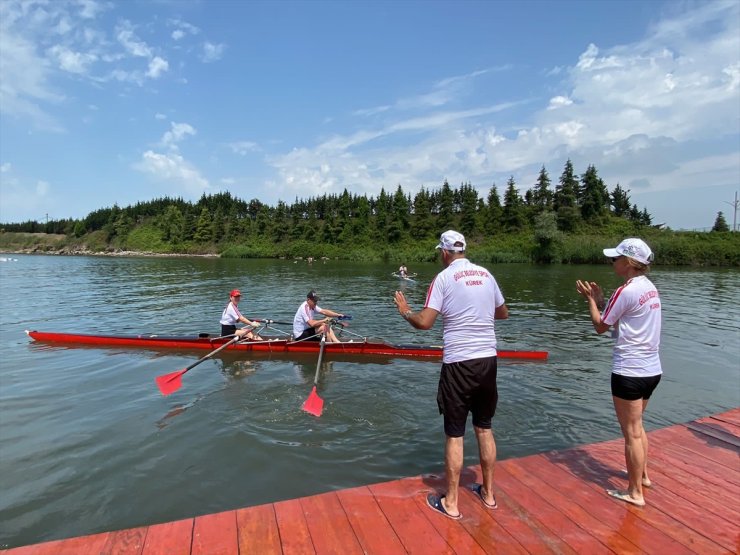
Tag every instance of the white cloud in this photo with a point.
(159, 116)
(243, 148)
(176, 134)
(5, 168)
(172, 168)
(131, 43)
(73, 62)
(558, 102)
(212, 52)
(157, 66)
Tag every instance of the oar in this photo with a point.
(268, 321)
(169, 383)
(315, 404)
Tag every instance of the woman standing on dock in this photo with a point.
(634, 309)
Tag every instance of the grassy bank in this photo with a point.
(670, 247)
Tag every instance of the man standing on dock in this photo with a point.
(469, 300)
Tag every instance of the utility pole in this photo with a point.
(734, 215)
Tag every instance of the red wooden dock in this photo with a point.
(548, 503)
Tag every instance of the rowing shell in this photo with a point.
(375, 347)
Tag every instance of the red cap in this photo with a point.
(235, 293)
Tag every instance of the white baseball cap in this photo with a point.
(632, 248)
(448, 239)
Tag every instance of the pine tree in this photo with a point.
(565, 200)
(493, 211)
(620, 201)
(513, 213)
(541, 194)
(720, 224)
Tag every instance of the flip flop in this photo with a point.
(435, 502)
(478, 490)
(624, 496)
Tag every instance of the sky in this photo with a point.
(117, 102)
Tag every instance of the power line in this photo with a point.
(734, 215)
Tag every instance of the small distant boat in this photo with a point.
(6, 259)
(407, 277)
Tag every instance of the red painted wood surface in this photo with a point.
(548, 503)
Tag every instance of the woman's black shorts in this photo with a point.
(309, 334)
(227, 330)
(631, 388)
(467, 386)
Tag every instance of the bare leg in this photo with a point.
(487, 455)
(453, 466)
(629, 414)
(645, 478)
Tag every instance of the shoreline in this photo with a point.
(116, 252)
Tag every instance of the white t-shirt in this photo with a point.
(466, 295)
(304, 314)
(230, 315)
(635, 309)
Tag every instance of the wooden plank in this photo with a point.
(513, 520)
(663, 454)
(701, 457)
(397, 501)
(687, 513)
(373, 531)
(731, 416)
(706, 446)
(716, 431)
(541, 510)
(329, 526)
(595, 475)
(563, 502)
(125, 542)
(716, 421)
(690, 490)
(294, 535)
(641, 534)
(81, 545)
(170, 538)
(257, 530)
(215, 534)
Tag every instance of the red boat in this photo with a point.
(277, 345)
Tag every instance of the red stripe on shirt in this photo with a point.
(429, 292)
(613, 299)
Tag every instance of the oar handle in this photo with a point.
(269, 321)
(345, 317)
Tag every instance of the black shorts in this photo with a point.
(631, 388)
(227, 330)
(309, 334)
(468, 386)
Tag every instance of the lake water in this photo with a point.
(88, 444)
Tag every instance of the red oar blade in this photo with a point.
(314, 404)
(169, 383)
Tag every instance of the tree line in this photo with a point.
(575, 203)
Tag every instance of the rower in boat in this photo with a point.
(307, 326)
(231, 316)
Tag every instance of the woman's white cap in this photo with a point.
(632, 248)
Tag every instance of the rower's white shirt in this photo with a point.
(466, 295)
(634, 308)
(230, 315)
(302, 316)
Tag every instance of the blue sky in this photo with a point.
(107, 102)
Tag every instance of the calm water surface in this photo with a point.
(88, 444)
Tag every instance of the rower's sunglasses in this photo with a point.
(615, 258)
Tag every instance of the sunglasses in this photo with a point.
(615, 258)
